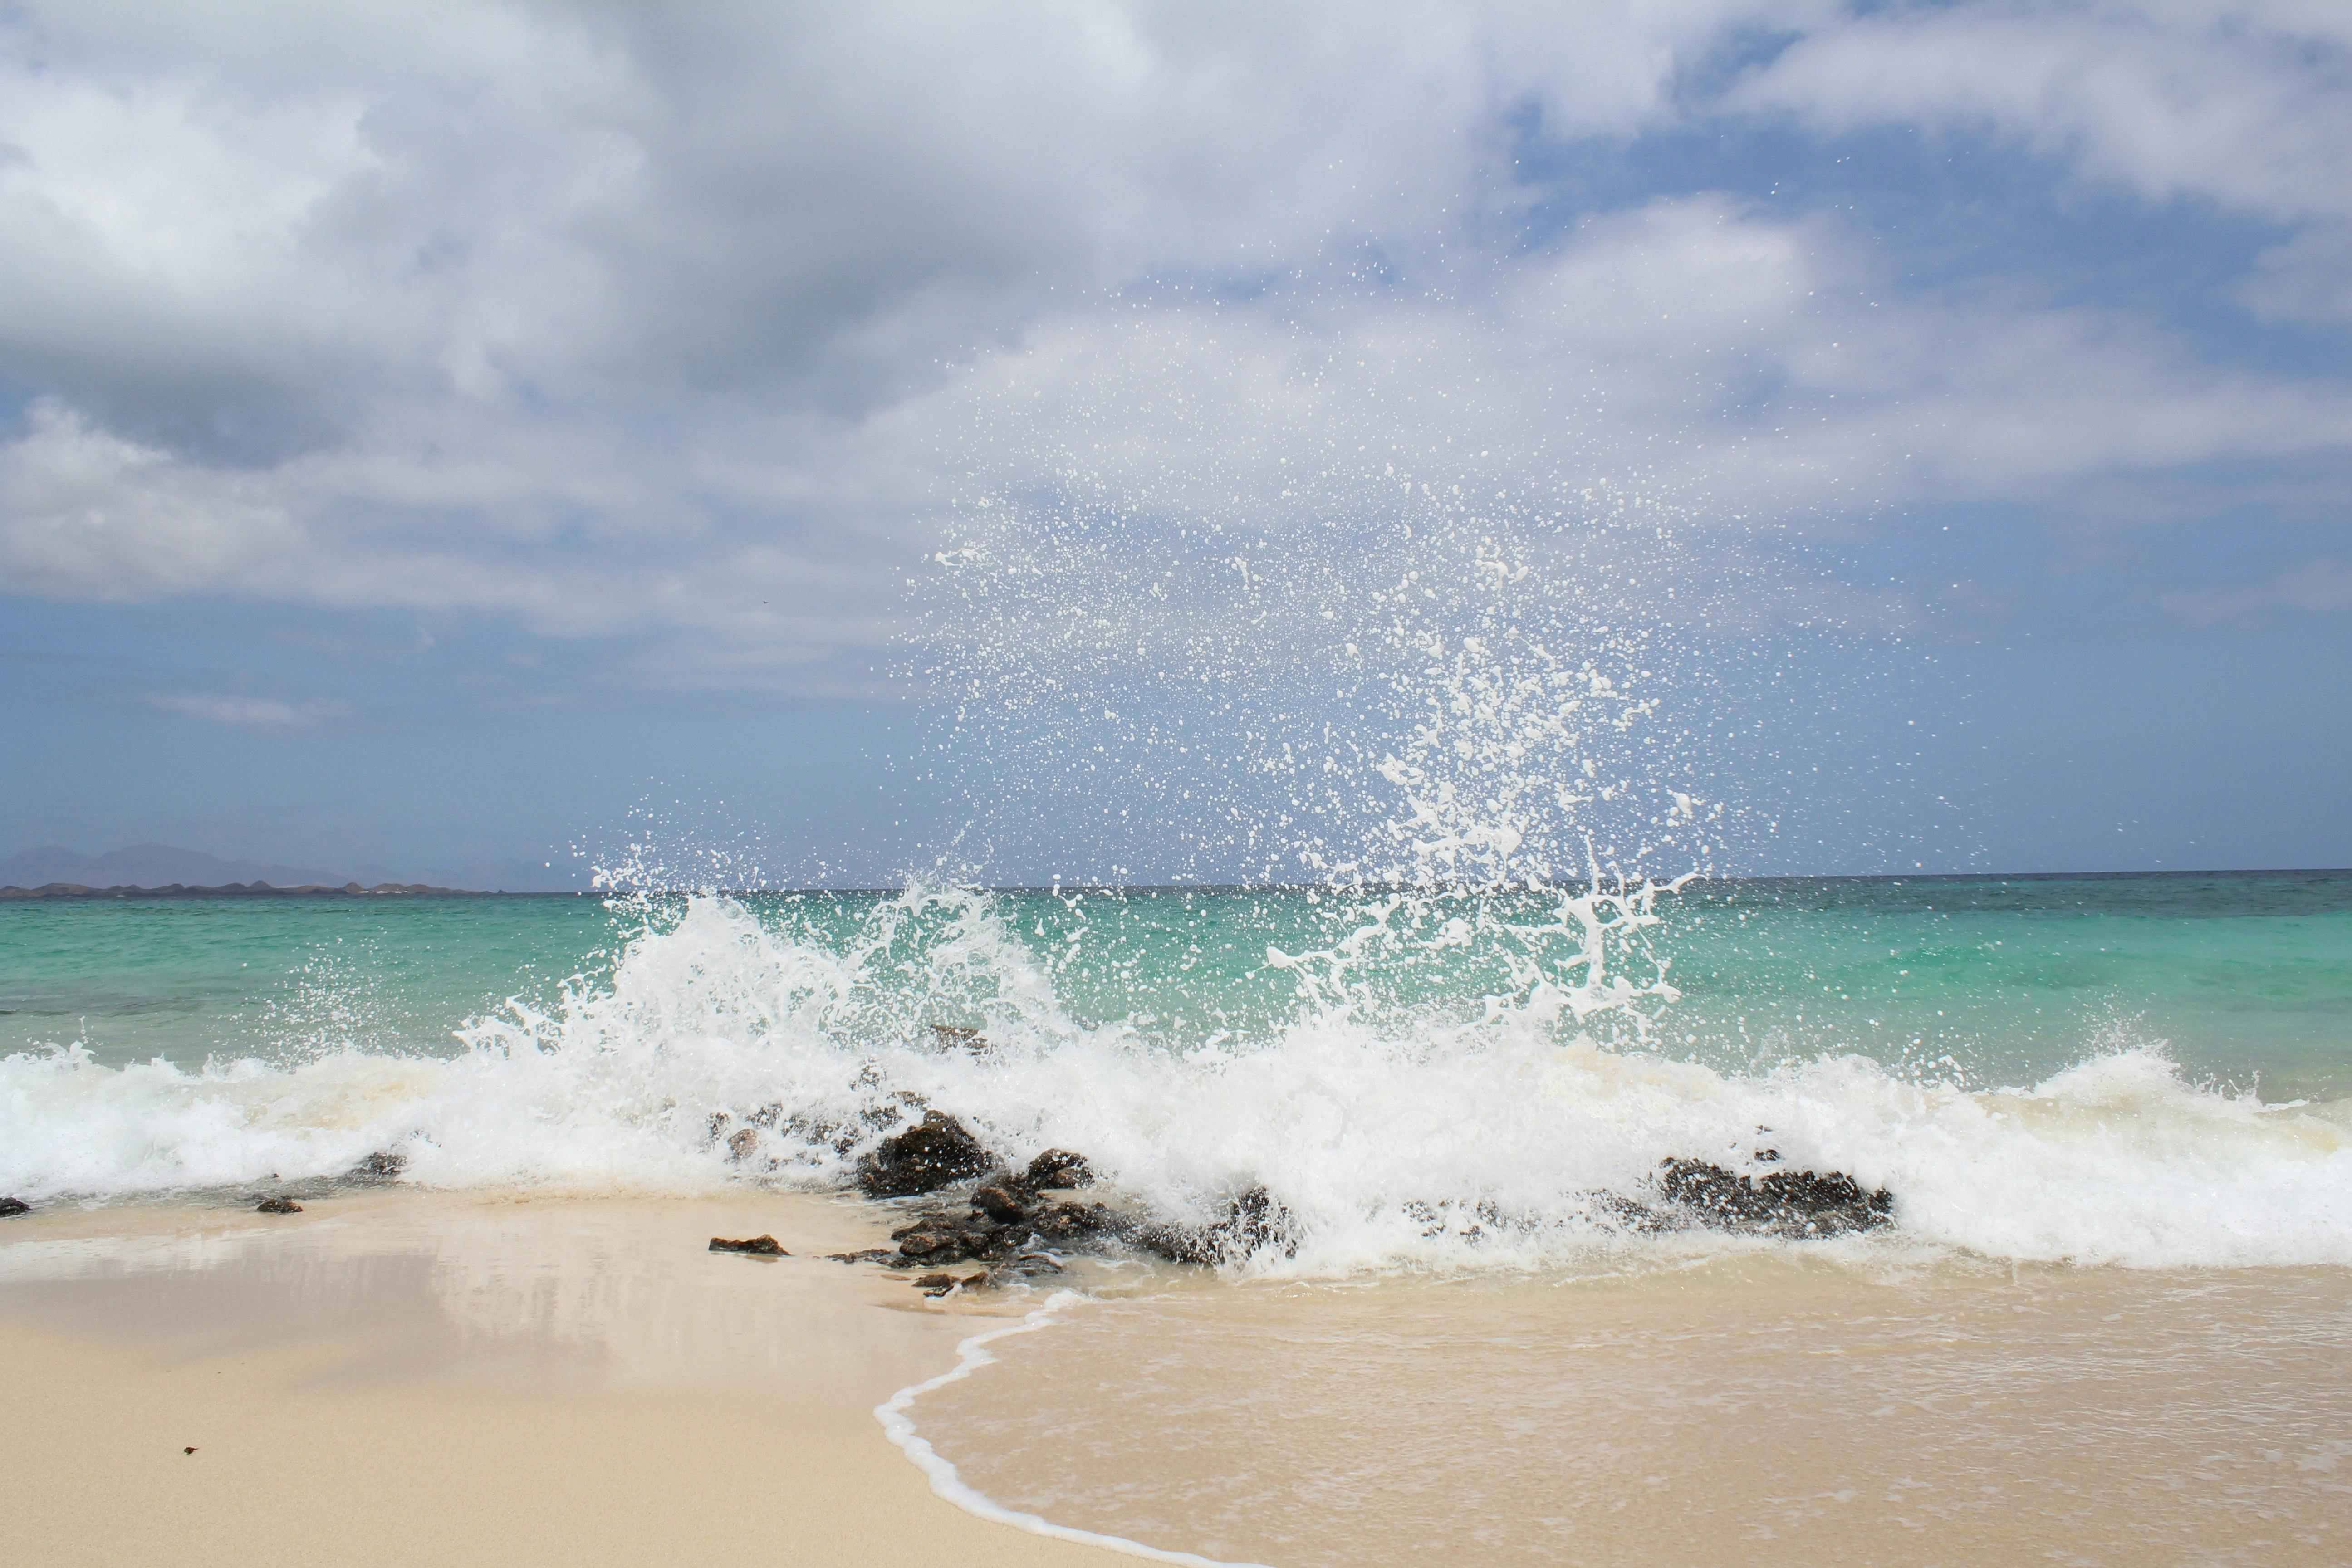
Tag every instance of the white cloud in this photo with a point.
(266, 713)
(2243, 104)
(1690, 355)
(692, 322)
(89, 514)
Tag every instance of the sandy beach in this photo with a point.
(401, 1378)
(1777, 1410)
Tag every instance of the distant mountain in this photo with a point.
(153, 866)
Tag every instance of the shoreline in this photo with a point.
(393, 1375)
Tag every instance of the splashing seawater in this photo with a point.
(1425, 1078)
(1448, 721)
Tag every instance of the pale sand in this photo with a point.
(1773, 1411)
(398, 1378)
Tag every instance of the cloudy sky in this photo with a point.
(430, 435)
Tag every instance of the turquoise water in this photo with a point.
(2245, 979)
(2147, 1071)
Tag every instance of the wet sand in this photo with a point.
(1769, 1410)
(395, 1377)
(398, 1378)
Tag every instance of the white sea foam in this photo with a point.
(1477, 1136)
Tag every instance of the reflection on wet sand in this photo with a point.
(395, 1378)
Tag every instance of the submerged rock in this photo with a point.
(1001, 1228)
(958, 1037)
(757, 1246)
(1629, 1214)
(934, 1152)
(384, 1165)
(279, 1205)
(11, 1208)
(1786, 1202)
(1071, 1222)
(1252, 1221)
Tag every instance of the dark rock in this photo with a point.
(1629, 1214)
(936, 1284)
(277, 1205)
(1786, 1202)
(871, 1255)
(758, 1246)
(11, 1208)
(744, 1143)
(976, 1281)
(1071, 1222)
(1251, 1223)
(929, 1155)
(958, 1037)
(1000, 1202)
(1468, 1222)
(1057, 1168)
(384, 1165)
(932, 1240)
(940, 1238)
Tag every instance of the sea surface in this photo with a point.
(2115, 1115)
(1371, 1048)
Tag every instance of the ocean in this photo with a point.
(2112, 1114)
(159, 1045)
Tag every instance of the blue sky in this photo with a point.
(443, 441)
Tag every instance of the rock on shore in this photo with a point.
(755, 1246)
(931, 1155)
(1786, 1202)
(1007, 1221)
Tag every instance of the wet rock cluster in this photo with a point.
(281, 1204)
(1011, 1222)
(384, 1165)
(1251, 1223)
(1785, 1203)
(1008, 1222)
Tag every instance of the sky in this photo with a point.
(465, 440)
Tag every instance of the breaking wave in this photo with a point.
(1423, 1079)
